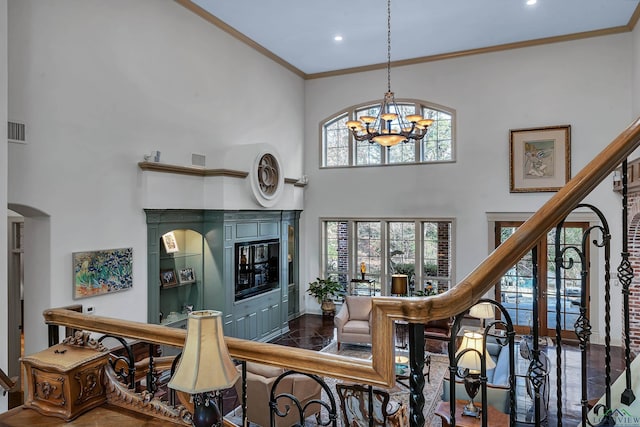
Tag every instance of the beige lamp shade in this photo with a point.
(483, 310)
(205, 364)
(389, 140)
(399, 284)
(471, 359)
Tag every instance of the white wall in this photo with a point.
(99, 84)
(635, 70)
(585, 83)
(4, 363)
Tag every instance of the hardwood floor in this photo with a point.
(315, 332)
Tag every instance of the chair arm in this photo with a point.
(342, 317)
(305, 388)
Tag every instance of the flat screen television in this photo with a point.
(257, 268)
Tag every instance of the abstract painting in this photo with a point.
(102, 272)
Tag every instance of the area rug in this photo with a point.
(432, 389)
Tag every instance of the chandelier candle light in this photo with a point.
(389, 127)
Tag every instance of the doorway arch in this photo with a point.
(37, 283)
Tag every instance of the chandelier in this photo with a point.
(389, 127)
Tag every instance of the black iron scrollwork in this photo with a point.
(123, 366)
(330, 408)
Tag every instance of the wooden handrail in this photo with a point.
(380, 370)
(6, 383)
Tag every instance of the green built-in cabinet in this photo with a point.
(215, 257)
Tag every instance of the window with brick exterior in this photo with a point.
(389, 247)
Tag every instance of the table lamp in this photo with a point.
(399, 284)
(483, 311)
(470, 350)
(205, 366)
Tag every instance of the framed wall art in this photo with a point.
(170, 242)
(102, 272)
(168, 277)
(186, 275)
(539, 159)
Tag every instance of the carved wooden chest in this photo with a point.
(65, 381)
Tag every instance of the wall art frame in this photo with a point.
(168, 278)
(539, 159)
(102, 272)
(170, 243)
(186, 275)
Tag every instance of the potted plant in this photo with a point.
(324, 290)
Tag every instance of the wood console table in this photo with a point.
(495, 418)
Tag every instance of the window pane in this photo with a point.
(402, 248)
(336, 142)
(405, 152)
(570, 283)
(366, 152)
(437, 143)
(402, 240)
(369, 246)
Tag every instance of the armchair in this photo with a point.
(260, 379)
(353, 321)
(438, 330)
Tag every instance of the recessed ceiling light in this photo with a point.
(338, 38)
(531, 2)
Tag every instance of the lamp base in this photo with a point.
(205, 411)
(471, 410)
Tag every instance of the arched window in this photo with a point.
(339, 148)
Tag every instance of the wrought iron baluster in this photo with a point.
(558, 265)
(416, 379)
(582, 325)
(606, 243)
(535, 366)
(625, 276)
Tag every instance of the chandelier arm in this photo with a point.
(366, 137)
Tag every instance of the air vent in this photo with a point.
(198, 160)
(16, 132)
